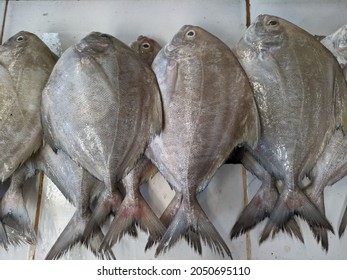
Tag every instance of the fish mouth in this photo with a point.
(170, 50)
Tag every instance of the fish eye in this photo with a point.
(20, 38)
(272, 22)
(145, 46)
(103, 35)
(190, 33)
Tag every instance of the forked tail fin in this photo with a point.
(74, 234)
(133, 212)
(192, 223)
(257, 210)
(105, 204)
(290, 203)
(343, 223)
(15, 215)
(167, 216)
(292, 228)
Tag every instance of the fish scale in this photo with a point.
(195, 70)
(25, 65)
(120, 113)
(276, 52)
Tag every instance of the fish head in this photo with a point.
(340, 41)
(95, 42)
(18, 43)
(146, 48)
(21, 45)
(266, 32)
(188, 41)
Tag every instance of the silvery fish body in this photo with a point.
(208, 110)
(134, 210)
(297, 83)
(25, 65)
(101, 106)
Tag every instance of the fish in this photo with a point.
(101, 106)
(330, 168)
(262, 202)
(77, 186)
(207, 97)
(25, 65)
(147, 48)
(336, 43)
(134, 209)
(297, 83)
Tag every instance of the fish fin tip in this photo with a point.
(70, 236)
(343, 223)
(195, 228)
(255, 211)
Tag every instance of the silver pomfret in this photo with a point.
(295, 100)
(102, 107)
(208, 110)
(25, 65)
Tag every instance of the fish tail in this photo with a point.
(321, 236)
(105, 204)
(3, 237)
(15, 215)
(292, 228)
(130, 214)
(167, 216)
(74, 234)
(71, 235)
(257, 210)
(343, 223)
(290, 203)
(192, 223)
(319, 233)
(94, 242)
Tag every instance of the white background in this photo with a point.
(223, 200)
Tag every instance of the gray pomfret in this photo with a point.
(147, 48)
(297, 83)
(101, 106)
(25, 65)
(337, 44)
(100, 93)
(208, 110)
(134, 210)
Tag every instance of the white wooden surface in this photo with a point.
(223, 199)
